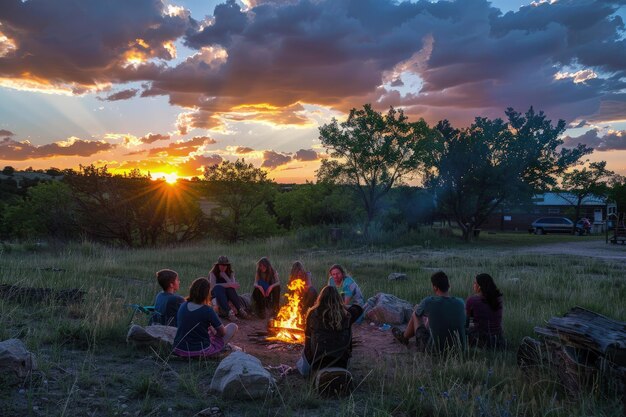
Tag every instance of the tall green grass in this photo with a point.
(536, 287)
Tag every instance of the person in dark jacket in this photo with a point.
(328, 335)
(484, 312)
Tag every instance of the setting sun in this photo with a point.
(169, 178)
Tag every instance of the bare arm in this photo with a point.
(212, 280)
(220, 331)
(230, 281)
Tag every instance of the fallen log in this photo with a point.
(580, 347)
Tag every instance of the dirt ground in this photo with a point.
(370, 341)
(598, 249)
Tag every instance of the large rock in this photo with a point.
(155, 335)
(242, 376)
(387, 308)
(15, 359)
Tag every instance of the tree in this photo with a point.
(372, 153)
(314, 204)
(133, 209)
(48, 210)
(582, 183)
(617, 192)
(241, 194)
(474, 170)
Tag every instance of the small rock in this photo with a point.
(211, 412)
(397, 276)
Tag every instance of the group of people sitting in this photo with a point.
(439, 322)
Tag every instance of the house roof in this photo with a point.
(566, 199)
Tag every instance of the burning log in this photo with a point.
(288, 326)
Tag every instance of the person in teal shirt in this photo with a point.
(438, 321)
(348, 289)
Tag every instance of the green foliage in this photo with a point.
(242, 194)
(315, 204)
(474, 170)
(617, 192)
(133, 209)
(372, 152)
(582, 183)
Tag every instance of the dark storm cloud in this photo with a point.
(19, 151)
(613, 140)
(6, 133)
(273, 159)
(306, 155)
(85, 42)
(567, 58)
(472, 59)
(121, 95)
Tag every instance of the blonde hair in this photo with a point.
(330, 308)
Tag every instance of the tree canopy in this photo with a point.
(474, 170)
(240, 193)
(372, 152)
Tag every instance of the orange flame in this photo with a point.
(289, 322)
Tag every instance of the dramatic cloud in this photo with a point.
(121, 95)
(153, 137)
(195, 166)
(75, 47)
(6, 133)
(19, 151)
(306, 155)
(243, 150)
(564, 57)
(182, 149)
(273, 159)
(613, 140)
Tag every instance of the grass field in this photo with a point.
(86, 368)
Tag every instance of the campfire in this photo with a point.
(288, 326)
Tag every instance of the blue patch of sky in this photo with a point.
(33, 115)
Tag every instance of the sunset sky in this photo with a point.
(171, 86)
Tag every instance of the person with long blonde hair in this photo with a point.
(327, 334)
(309, 293)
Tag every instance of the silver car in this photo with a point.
(551, 225)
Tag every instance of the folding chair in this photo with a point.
(137, 308)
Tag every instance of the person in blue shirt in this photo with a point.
(266, 292)
(167, 301)
(200, 332)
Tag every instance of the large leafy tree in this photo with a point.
(372, 152)
(582, 183)
(474, 170)
(241, 194)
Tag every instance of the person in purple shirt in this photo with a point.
(484, 314)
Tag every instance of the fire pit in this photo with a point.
(288, 326)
